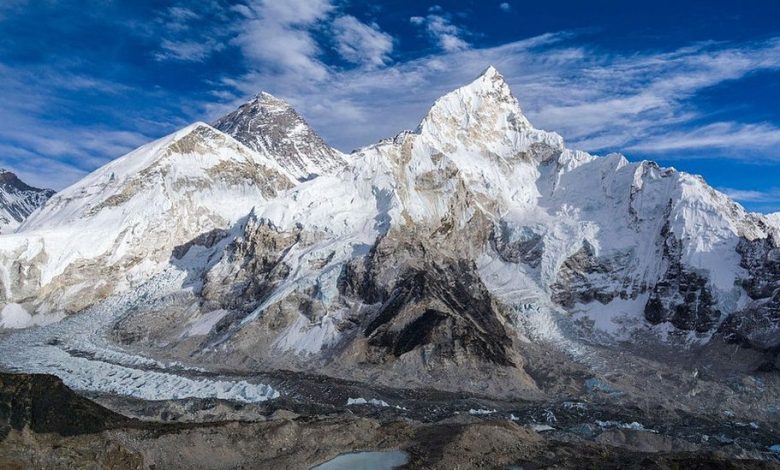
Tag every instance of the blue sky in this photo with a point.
(694, 85)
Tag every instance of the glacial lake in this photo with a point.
(379, 460)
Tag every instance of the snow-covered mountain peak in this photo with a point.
(487, 96)
(774, 218)
(18, 200)
(9, 179)
(180, 165)
(491, 81)
(272, 127)
(483, 116)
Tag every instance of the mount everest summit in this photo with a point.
(455, 256)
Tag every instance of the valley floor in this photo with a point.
(43, 424)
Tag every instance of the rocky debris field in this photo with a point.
(43, 424)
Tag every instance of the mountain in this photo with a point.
(436, 256)
(273, 128)
(122, 222)
(774, 219)
(18, 200)
(476, 254)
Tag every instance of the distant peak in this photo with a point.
(271, 126)
(266, 99)
(491, 72)
(9, 179)
(487, 95)
(491, 81)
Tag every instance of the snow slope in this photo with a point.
(123, 222)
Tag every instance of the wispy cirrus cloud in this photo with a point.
(718, 135)
(188, 51)
(190, 33)
(749, 195)
(361, 43)
(440, 28)
(278, 36)
(767, 200)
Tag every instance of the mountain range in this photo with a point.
(443, 257)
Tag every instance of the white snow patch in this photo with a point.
(616, 424)
(363, 401)
(542, 427)
(15, 316)
(205, 323)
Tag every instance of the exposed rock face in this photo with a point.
(444, 310)
(758, 323)
(18, 200)
(681, 296)
(584, 278)
(518, 246)
(252, 267)
(272, 127)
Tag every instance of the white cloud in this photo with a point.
(505, 6)
(447, 35)
(187, 51)
(360, 43)
(276, 35)
(178, 18)
(719, 135)
(769, 196)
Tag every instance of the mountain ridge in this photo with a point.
(447, 256)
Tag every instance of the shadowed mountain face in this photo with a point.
(18, 200)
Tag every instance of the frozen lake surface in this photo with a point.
(379, 460)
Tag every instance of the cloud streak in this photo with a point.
(439, 27)
(361, 43)
(766, 200)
